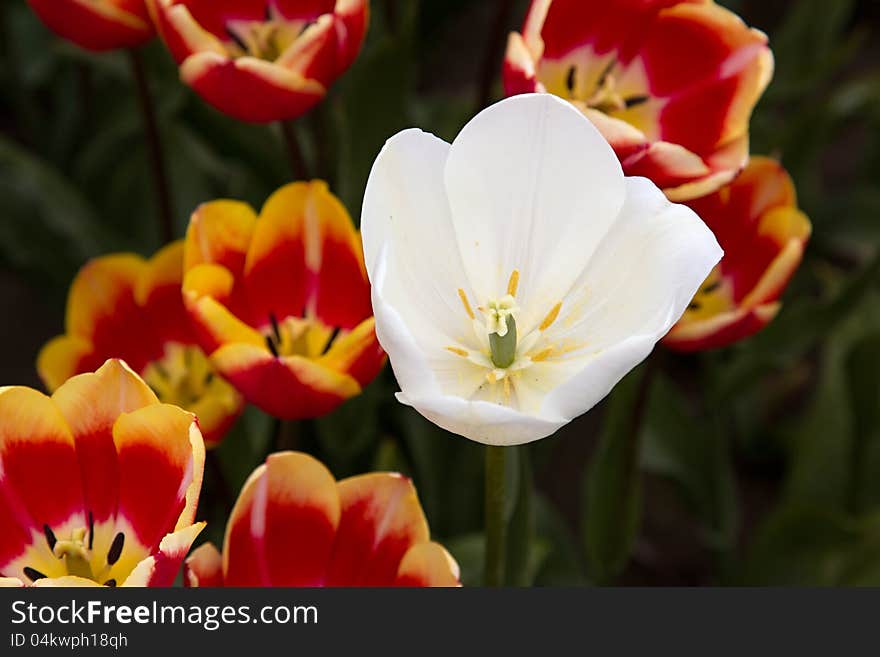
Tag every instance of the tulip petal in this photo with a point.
(357, 353)
(63, 357)
(406, 213)
(282, 527)
(204, 567)
(160, 450)
(160, 569)
(230, 85)
(557, 165)
(428, 564)
(91, 404)
(96, 26)
(39, 478)
(290, 387)
(381, 520)
(219, 233)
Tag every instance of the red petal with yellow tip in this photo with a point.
(159, 450)
(306, 238)
(357, 353)
(97, 26)
(102, 309)
(39, 478)
(282, 527)
(291, 387)
(160, 568)
(381, 521)
(91, 404)
(203, 568)
(428, 564)
(231, 85)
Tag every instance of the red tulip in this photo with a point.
(122, 306)
(763, 234)
(260, 60)
(99, 483)
(670, 83)
(295, 525)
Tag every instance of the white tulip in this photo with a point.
(516, 274)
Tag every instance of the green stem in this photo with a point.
(154, 145)
(294, 152)
(496, 528)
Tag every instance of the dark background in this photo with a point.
(757, 464)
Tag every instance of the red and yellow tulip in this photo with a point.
(262, 60)
(670, 83)
(281, 302)
(757, 222)
(123, 306)
(98, 483)
(295, 525)
(97, 25)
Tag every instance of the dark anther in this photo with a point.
(607, 71)
(276, 331)
(711, 287)
(634, 101)
(232, 35)
(32, 574)
(111, 583)
(694, 305)
(271, 344)
(570, 80)
(50, 536)
(116, 549)
(91, 530)
(209, 378)
(331, 340)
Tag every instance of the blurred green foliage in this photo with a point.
(757, 464)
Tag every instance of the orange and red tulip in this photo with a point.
(670, 83)
(97, 25)
(763, 233)
(123, 306)
(262, 60)
(295, 525)
(99, 483)
(281, 302)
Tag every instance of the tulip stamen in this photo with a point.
(464, 302)
(115, 550)
(458, 351)
(513, 283)
(547, 322)
(33, 574)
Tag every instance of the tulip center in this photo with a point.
(299, 336)
(267, 39)
(606, 93)
(501, 327)
(181, 377)
(76, 556)
(506, 355)
(712, 299)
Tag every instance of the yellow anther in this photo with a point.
(513, 283)
(491, 378)
(464, 302)
(550, 318)
(507, 389)
(458, 351)
(544, 354)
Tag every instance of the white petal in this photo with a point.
(482, 421)
(642, 277)
(639, 283)
(405, 209)
(533, 186)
